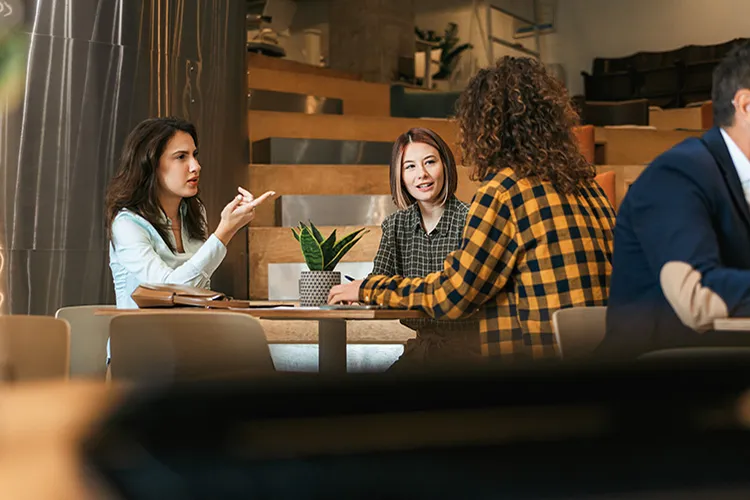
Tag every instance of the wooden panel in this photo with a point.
(270, 245)
(466, 187)
(586, 143)
(635, 146)
(359, 98)
(625, 176)
(291, 313)
(694, 118)
(332, 180)
(707, 115)
(314, 179)
(259, 61)
(263, 124)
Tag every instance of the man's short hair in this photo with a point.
(732, 74)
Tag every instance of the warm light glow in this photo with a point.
(2, 295)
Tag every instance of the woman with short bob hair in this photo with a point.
(538, 235)
(418, 237)
(155, 219)
(401, 195)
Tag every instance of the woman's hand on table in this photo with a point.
(345, 294)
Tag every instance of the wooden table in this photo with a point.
(732, 325)
(331, 325)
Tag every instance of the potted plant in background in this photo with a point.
(450, 50)
(321, 256)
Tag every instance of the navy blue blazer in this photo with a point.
(687, 207)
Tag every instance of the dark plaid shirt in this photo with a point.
(407, 250)
(527, 251)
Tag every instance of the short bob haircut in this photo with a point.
(401, 196)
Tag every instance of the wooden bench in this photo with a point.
(258, 61)
(636, 146)
(692, 118)
(359, 98)
(319, 179)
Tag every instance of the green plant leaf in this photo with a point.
(327, 248)
(451, 30)
(316, 233)
(311, 250)
(457, 51)
(330, 266)
(346, 239)
(296, 236)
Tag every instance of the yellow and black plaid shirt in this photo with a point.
(527, 251)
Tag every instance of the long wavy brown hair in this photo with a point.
(134, 185)
(515, 114)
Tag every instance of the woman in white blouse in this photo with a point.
(155, 218)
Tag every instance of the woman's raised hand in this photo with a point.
(238, 213)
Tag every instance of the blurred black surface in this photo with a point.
(648, 429)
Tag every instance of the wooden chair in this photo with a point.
(168, 346)
(34, 348)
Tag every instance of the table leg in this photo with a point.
(332, 346)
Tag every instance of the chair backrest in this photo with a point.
(33, 348)
(608, 182)
(579, 330)
(88, 340)
(586, 136)
(167, 346)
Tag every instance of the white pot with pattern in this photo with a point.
(315, 285)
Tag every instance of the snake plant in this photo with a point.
(322, 254)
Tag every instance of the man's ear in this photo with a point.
(742, 102)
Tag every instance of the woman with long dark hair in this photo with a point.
(538, 236)
(155, 218)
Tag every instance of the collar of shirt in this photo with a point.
(415, 219)
(163, 219)
(741, 163)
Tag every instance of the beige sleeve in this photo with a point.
(696, 306)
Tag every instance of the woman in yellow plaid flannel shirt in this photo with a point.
(538, 236)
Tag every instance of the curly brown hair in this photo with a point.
(517, 115)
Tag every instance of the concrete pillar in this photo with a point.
(369, 36)
(86, 85)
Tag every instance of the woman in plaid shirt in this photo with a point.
(417, 238)
(538, 236)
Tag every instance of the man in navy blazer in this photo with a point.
(682, 238)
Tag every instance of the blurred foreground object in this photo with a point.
(13, 50)
(656, 429)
